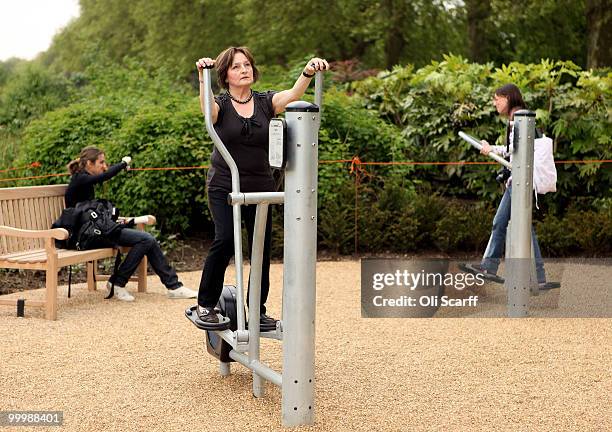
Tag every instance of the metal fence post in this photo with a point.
(300, 258)
(518, 257)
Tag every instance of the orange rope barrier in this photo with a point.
(355, 163)
(32, 165)
(583, 161)
(33, 177)
(169, 168)
(352, 161)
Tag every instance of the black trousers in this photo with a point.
(142, 244)
(222, 249)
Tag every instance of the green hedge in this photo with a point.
(405, 115)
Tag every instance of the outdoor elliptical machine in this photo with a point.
(293, 146)
(520, 272)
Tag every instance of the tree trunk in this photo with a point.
(394, 42)
(478, 11)
(599, 28)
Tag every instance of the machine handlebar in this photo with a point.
(476, 144)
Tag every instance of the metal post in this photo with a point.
(300, 264)
(318, 95)
(259, 233)
(224, 368)
(518, 257)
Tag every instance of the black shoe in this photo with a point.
(543, 286)
(207, 315)
(207, 318)
(266, 321)
(477, 269)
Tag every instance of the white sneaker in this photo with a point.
(121, 293)
(182, 293)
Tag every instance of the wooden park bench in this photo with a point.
(27, 242)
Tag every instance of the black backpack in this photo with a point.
(91, 225)
(98, 225)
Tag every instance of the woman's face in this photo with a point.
(501, 104)
(240, 72)
(98, 166)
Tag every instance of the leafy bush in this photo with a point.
(580, 231)
(387, 220)
(158, 137)
(31, 92)
(434, 103)
(59, 136)
(141, 118)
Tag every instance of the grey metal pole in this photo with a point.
(318, 95)
(259, 233)
(300, 256)
(256, 366)
(518, 257)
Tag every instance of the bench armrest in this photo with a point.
(56, 233)
(146, 219)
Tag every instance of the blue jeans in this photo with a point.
(142, 243)
(497, 241)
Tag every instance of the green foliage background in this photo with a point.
(121, 77)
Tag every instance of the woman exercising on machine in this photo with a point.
(241, 117)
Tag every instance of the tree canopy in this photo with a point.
(172, 34)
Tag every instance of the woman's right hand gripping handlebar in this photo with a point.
(201, 64)
(486, 147)
(205, 63)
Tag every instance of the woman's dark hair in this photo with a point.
(87, 154)
(515, 100)
(224, 61)
(513, 94)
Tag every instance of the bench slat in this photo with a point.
(18, 254)
(31, 258)
(83, 256)
(32, 191)
(40, 255)
(31, 216)
(22, 221)
(3, 241)
(10, 213)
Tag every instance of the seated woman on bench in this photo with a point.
(91, 169)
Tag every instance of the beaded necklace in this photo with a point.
(242, 102)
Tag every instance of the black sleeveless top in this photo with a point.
(247, 141)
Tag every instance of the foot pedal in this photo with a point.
(192, 316)
(469, 268)
(270, 327)
(549, 285)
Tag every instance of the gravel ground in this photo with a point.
(117, 366)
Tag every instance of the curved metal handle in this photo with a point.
(476, 144)
(208, 101)
(236, 214)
